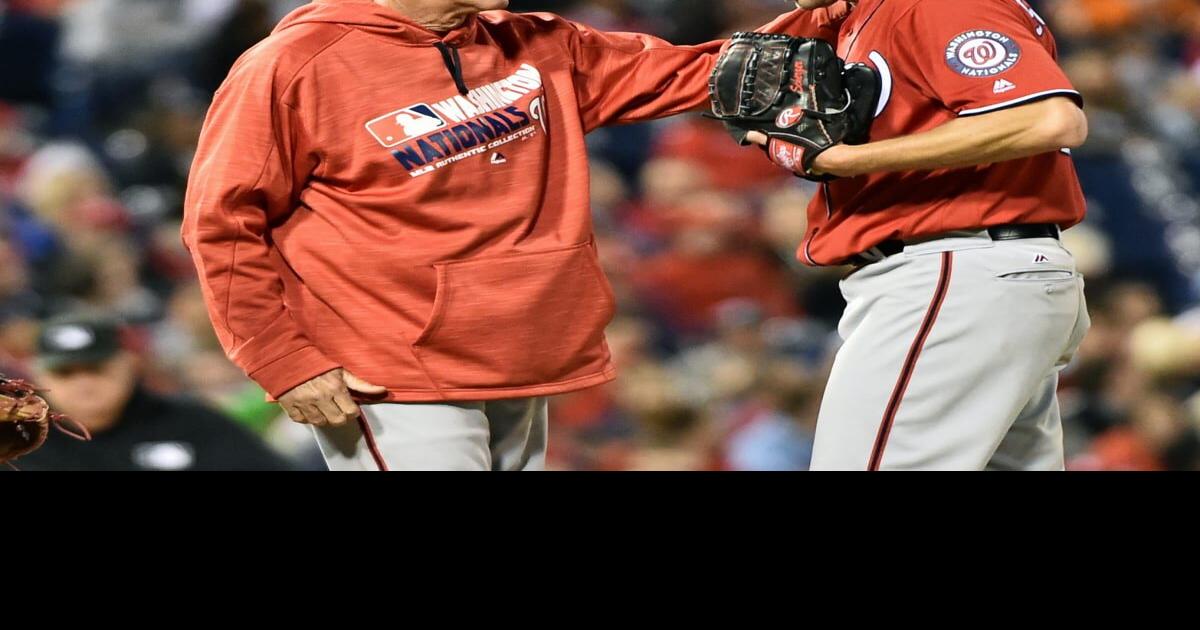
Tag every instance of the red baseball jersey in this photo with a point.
(939, 60)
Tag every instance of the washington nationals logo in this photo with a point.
(982, 53)
(426, 137)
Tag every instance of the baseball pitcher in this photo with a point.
(963, 303)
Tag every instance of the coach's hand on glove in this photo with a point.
(796, 98)
(327, 400)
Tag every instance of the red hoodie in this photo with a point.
(413, 206)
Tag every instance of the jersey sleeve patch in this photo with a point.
(982, 53)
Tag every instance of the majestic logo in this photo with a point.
(1001, 86)
(789, 117)
(498, 158)
(982, 53)
(429, 136)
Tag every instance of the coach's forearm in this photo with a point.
(1033, 129)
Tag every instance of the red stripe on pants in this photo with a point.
(910, 362)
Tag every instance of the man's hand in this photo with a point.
(326, 399)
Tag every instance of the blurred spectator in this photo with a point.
(94, 381)
(774, 429)
(726, 165)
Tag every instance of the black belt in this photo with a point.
(998, 233)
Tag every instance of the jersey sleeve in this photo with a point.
(251, 163)
(980, 56)
(632, 77)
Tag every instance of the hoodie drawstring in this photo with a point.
(454, 65)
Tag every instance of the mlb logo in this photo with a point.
(404, 124)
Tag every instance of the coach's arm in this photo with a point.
(633, 77)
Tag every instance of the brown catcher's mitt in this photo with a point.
(25, 420)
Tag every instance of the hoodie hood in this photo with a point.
(379, 20)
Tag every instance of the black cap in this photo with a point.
(77, 340)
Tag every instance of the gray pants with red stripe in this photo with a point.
(951, 358)
(493, 435)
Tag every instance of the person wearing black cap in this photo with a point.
(91, 378)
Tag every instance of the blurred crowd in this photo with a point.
(723, 340)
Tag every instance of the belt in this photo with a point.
(998, 233)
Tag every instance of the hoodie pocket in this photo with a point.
(517, 321)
